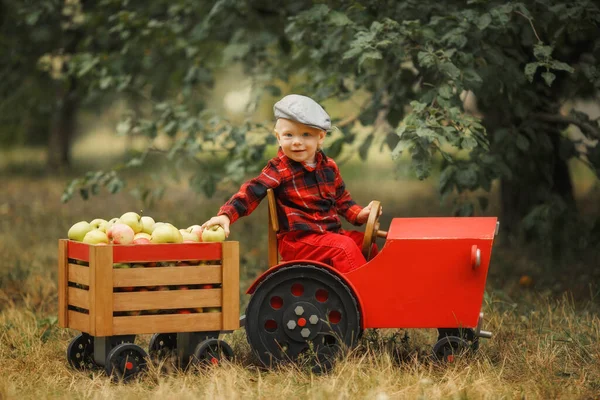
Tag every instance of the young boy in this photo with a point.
(309, 191)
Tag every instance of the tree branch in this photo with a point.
(586, 127)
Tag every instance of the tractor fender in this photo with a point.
(317, 264)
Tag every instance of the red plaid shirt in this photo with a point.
(308, 199)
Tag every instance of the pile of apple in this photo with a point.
(131, 228)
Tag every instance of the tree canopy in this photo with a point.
(412, 61)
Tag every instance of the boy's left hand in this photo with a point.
(363, 215)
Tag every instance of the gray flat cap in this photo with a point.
(304, 110)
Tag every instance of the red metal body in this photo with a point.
(430, 273)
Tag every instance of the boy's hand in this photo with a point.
(222, 220)
(363, 215)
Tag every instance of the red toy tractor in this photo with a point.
(430, 273)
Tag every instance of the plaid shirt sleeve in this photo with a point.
(344, 204)
(251, 193)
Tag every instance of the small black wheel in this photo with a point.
(162, 345)
(302, 313)
(212, 352)
(80, 352)
(448, 348)
(125, 361)
(467, 334)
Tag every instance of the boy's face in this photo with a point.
(298, 141)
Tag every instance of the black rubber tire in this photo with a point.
(80, 352)
(162, 345)
(277, 343)
(448, 348)
(212, 352)
(125, 361)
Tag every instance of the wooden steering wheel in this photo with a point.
(372, 231)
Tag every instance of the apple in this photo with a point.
(141, 238)
(133, 313)
(147, 224)
(188, 236)
(79, 230)
(99, 223)
(166, 233)
(133, 220)
(95, 236)
(183, 311)
(197, 230)
(199, 309)
(121, 265)
(212, 309)
(206, 286)
(110, 223)
(121, 234)
(214, 233)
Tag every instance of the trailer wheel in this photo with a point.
(212, 352)
(80, 352)
(448, 348)
(162, 345)
(125, 361)
(302, 313)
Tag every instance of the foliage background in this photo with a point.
(460, 108)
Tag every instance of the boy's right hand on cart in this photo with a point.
(222, 220)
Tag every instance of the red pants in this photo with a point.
(340, 250)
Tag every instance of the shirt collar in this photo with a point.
(320, 158)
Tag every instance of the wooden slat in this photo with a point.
(167, 276)
(63, 317)
(79, 274)
(101, 290)
(79, 321)
(167, 252)
(79, 298)
(167, 323)
(231, 286)
(167, 299)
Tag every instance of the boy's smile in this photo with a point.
(298, 141)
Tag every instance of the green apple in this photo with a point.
(188, 236)
(95, 236)
(214, 233)
(133, 220)
(166, 233)
(99, 223)
(212, 309)
(121, 265)
(147, 224)
(79, 230)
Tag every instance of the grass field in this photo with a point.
(546, 342)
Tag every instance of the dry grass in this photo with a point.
(545, 345)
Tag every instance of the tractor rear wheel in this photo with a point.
(302, 313)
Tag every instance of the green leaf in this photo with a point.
(468, 143)
(339, 19)
(450, 69)
(363, 150)
(426, 59)
(522, 142)
(484, 21)
(370, 55)
(561, 66)
(425, 132)
(123, 127)
(400, 147)
(530, 70)
(445, 91)
(548, 77)
(542, 52)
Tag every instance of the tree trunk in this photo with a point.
(63, 127)
(530, 186)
